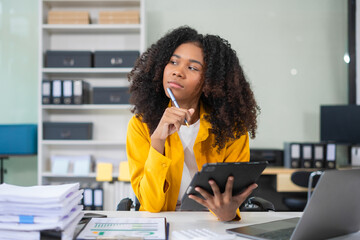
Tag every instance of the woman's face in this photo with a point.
(184, 73)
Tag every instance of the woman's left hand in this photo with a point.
(223, 205)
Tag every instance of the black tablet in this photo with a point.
(245, 173)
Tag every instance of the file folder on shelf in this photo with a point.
(287, 155)
(68, 92)
(98, 198)
(82, 165)
(330, 155)
(59, 164)
(295, 155)
(81, 92)
(319, 155)
(343, 155)
(88, 198)
(46, 92)
(93, 198)
(355, 155)
(307, 155)
(57, 91)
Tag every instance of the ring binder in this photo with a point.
(319, 155)
(46, 92)
(295, 155)
(307, 155)
(68, 92)
(57, 91)
(330, 155)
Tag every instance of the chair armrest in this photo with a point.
(124, 205)
(264, 205)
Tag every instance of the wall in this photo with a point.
(18, 78)
(291, 50)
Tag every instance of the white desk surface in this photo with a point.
(198, 220)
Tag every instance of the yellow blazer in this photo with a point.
(156, 178)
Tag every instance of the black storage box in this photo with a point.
(111, 95)
(65, 59)
(71, 131)
(122, 59)
(273, 156)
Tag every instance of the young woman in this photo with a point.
(214, 97)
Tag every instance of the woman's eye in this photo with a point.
(193, 68)
(173, 62)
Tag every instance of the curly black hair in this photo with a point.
(226, 94)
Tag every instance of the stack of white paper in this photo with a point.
(25, 211)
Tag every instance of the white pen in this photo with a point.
(175, 103)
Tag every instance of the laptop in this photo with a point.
(333, 210)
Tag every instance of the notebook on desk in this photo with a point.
(333, 210)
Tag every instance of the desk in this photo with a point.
(283, 178)
(197, 220)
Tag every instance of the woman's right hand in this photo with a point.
(170, 123)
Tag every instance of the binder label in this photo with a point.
(98, 197)
(57, 88)
(295, 151)
(46, 89)
(307, 152)
(330, 153)
(318, 152)
(67, 88)
(88, 198)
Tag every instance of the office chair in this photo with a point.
(251, 204)
(302, 179)
(257, 204)
(127, 203)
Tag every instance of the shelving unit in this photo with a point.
(72, 71)
(109, 121)
(87, 106)
(92, 29)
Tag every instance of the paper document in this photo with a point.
(60, 225)
(66, 234)
(51, 209)
(28, 235)
(204, 233)
(139, 228)
(36, 194)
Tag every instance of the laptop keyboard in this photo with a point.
(282, 234)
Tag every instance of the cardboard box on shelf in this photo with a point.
(119, 17)
(68, 17)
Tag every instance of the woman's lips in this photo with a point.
(174, 85)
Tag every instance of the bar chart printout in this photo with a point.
(143, 228)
